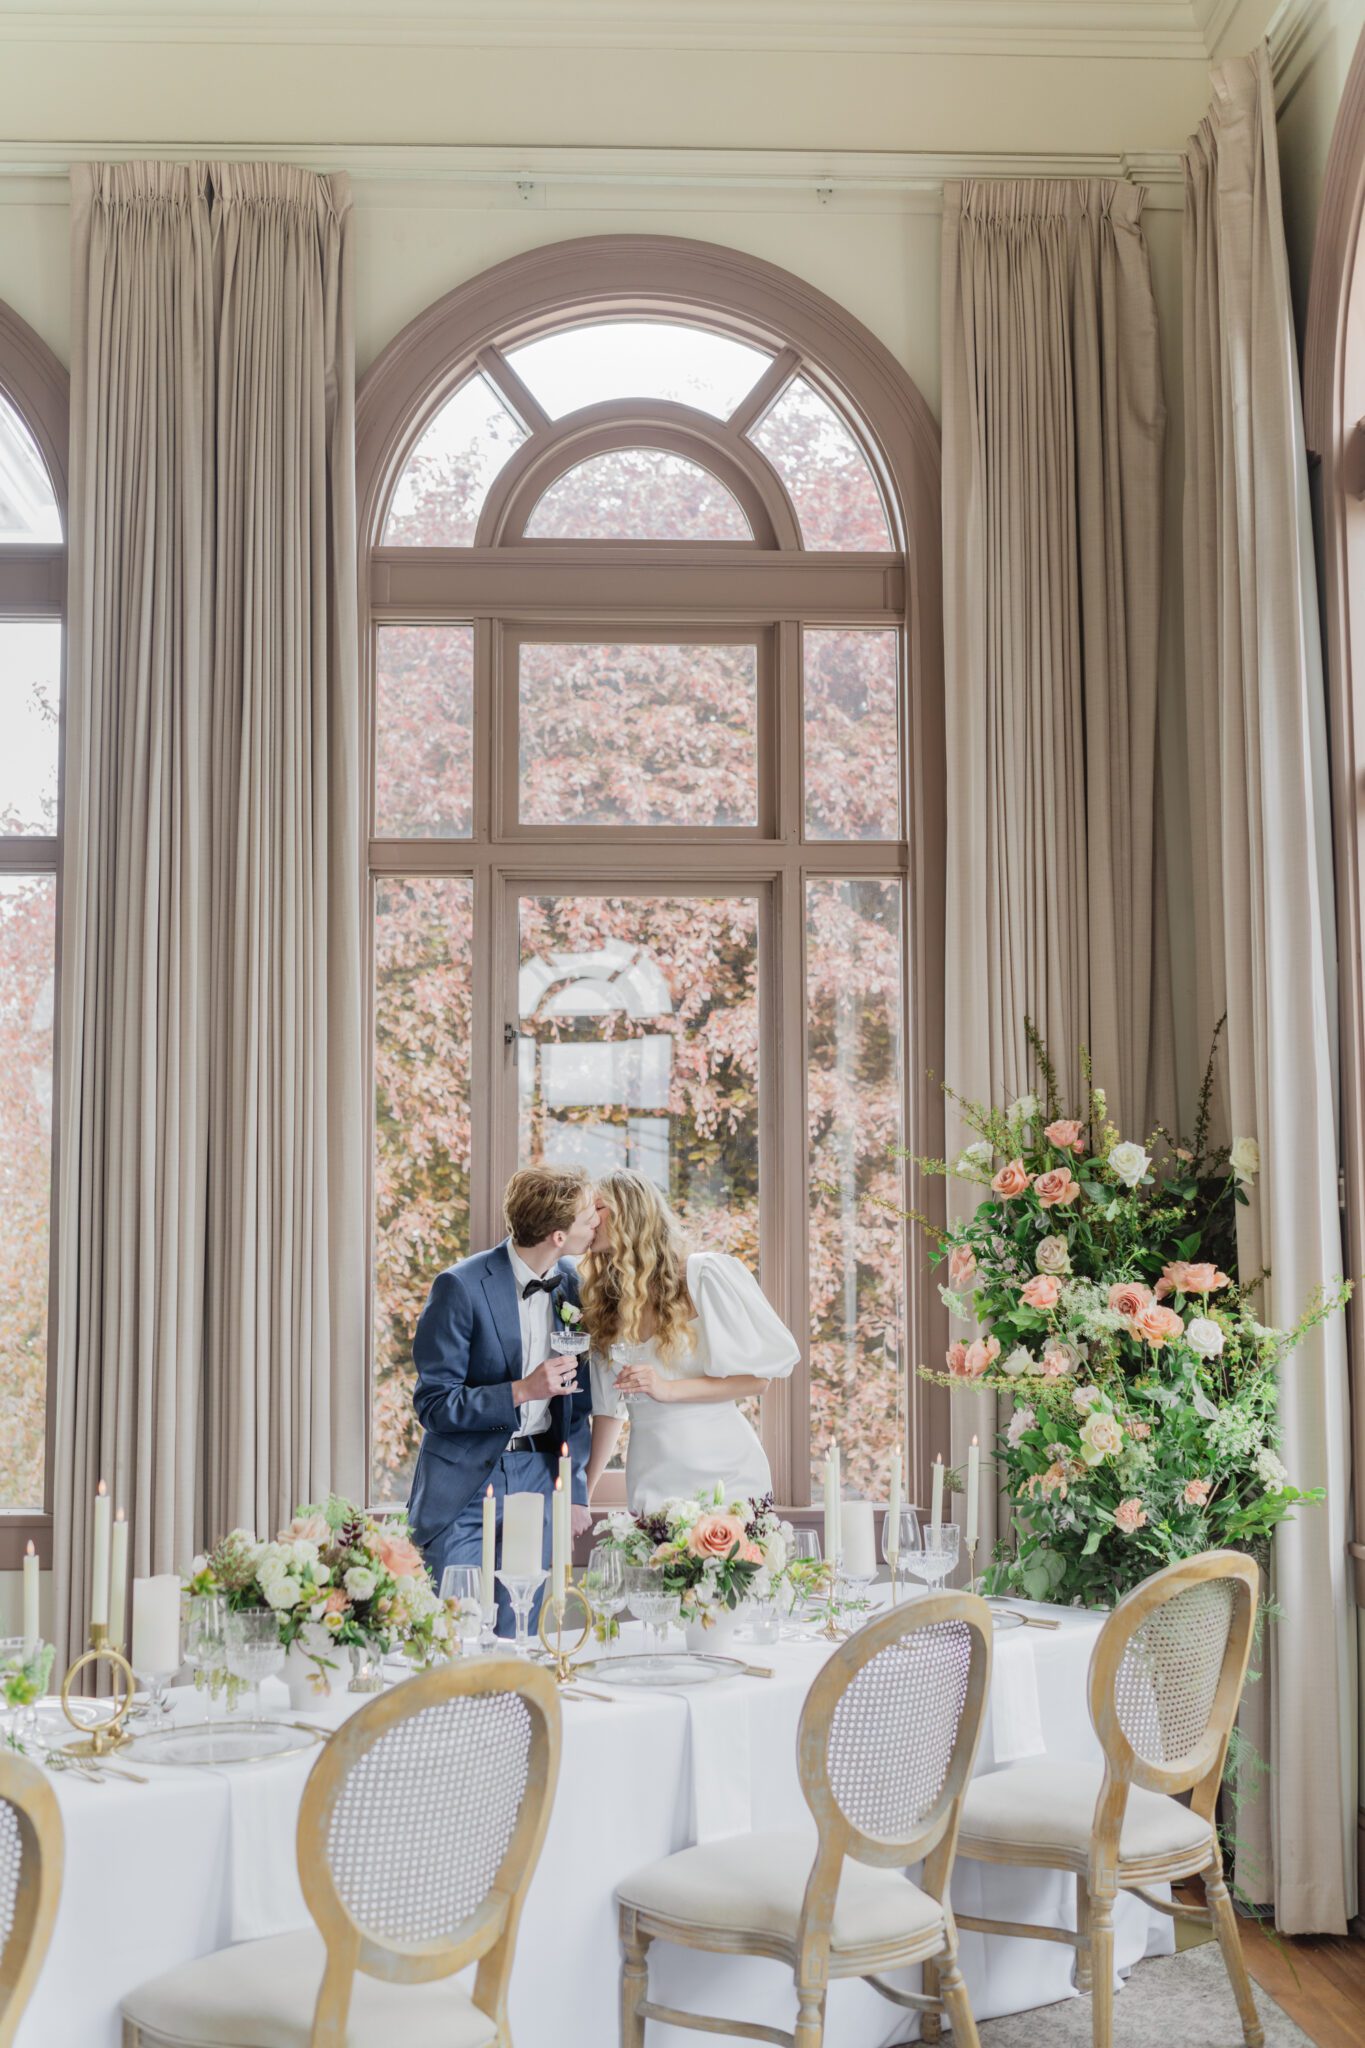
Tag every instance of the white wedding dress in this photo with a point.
(677, 1450)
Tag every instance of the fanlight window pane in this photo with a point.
(30, 708)
(825, 471)
(638, 494)
(663, 359)
(28, 933)
(852, 750)
(438, 498)
(423, 948)
(424, 732)
(638, 734)
(28, 505)
(857, 1277)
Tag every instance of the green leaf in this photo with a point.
(1092, 1541)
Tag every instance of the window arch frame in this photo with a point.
(622, 276)
(33, 585)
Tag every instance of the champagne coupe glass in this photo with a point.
(604, 1583)
(623, 1354)
(900, 1541)
(205, 1646)
(521, 1589)
(462, 1593)
(650, 1598)
(937, 1555)
(568, 1340)
(253, 1647)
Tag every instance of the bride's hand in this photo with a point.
(643, 1381)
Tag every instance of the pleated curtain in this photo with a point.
(1053, 431)
(211, 1269)
(1261, 817)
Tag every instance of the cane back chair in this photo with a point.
(1166, 1677)
(885, 1748)
(420, 1825)
(31, 1853)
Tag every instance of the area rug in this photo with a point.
(1183, 1999)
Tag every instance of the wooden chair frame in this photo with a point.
(32, 1801)
(1099, 1875)
(488, 1936)
(934, 1843)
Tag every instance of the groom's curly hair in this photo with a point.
(643, 1276)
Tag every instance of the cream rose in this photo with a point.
(1130, 1163)
(1053, 1255)
(1102, 1437)
(1245, 1159)
(1204, 1336)
(1011, 1180)
(1059, 1359)
(1019, 1360)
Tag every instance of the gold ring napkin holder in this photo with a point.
(99, 1737)
(561, 1657)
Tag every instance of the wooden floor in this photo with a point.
(1319, 1981)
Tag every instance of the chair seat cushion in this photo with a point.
(1050, 1807)
(757, 1883)
(261, 1994)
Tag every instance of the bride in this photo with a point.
(681, 1337)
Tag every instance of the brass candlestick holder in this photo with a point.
(561, 1658)
(894, 1561)
(99, 1737)
(971, 1567)
(831, 1632)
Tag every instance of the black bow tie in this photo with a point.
(538, 1287)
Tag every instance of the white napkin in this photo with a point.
(1016, 1718)
(718, 1717)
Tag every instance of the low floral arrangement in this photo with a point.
(1101, 1275)
(338, 1576)
(715, 1554)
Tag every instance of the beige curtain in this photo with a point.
(1053, 425)
(209, 1341)
(1263, 900)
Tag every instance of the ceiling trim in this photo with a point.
(1161, 29)
(1295, 34)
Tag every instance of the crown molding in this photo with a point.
(1161, 29)
(1295, 33)
(619, 179)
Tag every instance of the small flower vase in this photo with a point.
(367, 1670)
(712, 1638)
(309, 1682)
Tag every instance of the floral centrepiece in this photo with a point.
(1102, 1273)
(714, 1553)
(358, 1579)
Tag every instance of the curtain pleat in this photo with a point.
(1265, 941)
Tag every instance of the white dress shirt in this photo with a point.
(536, 1318)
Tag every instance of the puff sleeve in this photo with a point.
(741, 1333)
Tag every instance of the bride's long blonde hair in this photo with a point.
(644, 1269)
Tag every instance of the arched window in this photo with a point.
(641, 522)
(32, 594)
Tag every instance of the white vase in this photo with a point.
(714, 1639)
(310, 1683)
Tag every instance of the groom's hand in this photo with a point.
(552, 1377)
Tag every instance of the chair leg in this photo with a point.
(810, 2018)
(1102, 1969)
(1234, 1962)
(959, 2006)
(634, 1980)
(1083, 1971)
(931, 2024)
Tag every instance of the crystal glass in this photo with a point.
(205, 1642)
(622, 1355)
(650, 1598)
(567, 1341)
(521, 1589)
(764, 1620)
(900, 1542)
(604, 1583)
(937, 1555)
(462, 1592)
(253, 1649)
(24, 1673)
(805, 1587)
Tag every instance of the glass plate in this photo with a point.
(659, 1667)
(216, 1743)
(53, 1725)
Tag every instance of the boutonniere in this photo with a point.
(570, 1314)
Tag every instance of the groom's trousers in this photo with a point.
(462, 1542)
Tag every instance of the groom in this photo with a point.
(494, 1401)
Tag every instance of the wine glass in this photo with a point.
(650, 1598)
(604, 1584)
(462, 1593)
(900, 1541)
(937, 1555)
(251, 1640)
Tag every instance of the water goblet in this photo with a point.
(650, 1598)
(806, 1579)
(462, 1594)
(253, 1650)
(900, 1541)
(937, 1555)
(521, 1589)
(604, 1584)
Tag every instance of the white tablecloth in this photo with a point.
(195, 1859)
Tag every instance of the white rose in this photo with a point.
(1019, 1360)
(1084, 1398)
(1101, 1437)
(775, 1554)
(569, 1314)
(1053, 1256)
(1024, 1109)
(1245, 1159)
(1130, 1163)
(360, 1582)
(282, 1593)
(1204, 1336)
(975, 1158)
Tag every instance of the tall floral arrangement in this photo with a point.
(714, 1553)
(1099, 1274)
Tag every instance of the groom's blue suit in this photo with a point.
(467, 1351)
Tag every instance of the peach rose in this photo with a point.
(399, 1556)
(1011, 1180)
(961, 1267)
(1130, 1516)
(1129, 1298)
(1042, 1291)
(957, 1359)
(751, 1554)
(1065, 1134)
(716, 1536)
(336, 1602)
(1139, 1431)
(1055, 1189)
(1156, 1325)
(1196, 1493)
(980, 1356)
(1182, 1278)
(1049, 1482)
(1058, 1360)
(306, 1529)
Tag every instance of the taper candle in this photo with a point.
(30, 1601)
(893, 1509)
(99, 1586)
(833, 1534)
(936, 1500)
(118, 1579)
(490, 1555)
(973, 1490)
(559, 1544)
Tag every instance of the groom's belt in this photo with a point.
(543, 1442)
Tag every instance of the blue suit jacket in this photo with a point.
(467, 1351)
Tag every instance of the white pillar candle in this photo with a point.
(559, 1540)
(858, 1530)
(490, 1554)
(936, 1502)
(973, 1490)
(156, 1625)
(893, 1509)
(99, 1575)
(30, 1601)
(832, 1504)
(118, 1579)
(523, 1534)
